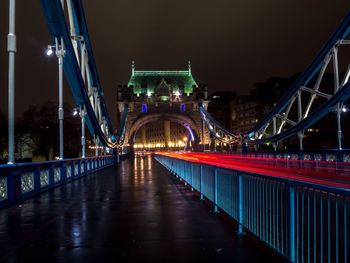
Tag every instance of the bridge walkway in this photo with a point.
(136, 212)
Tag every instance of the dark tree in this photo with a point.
(3, 135)
(38, 128)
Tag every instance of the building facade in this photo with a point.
(163, 134)
(161, 98)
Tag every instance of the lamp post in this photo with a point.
(59, 51)
(82, 113)
(340, 108)
(96, 145)
(11, 48)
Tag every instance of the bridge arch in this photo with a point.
(182, 119)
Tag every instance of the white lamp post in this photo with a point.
(11, 48)
(59, 51)
(82, 113)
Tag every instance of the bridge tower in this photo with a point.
(163, 95)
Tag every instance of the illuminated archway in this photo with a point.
(181, 119)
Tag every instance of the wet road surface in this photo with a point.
(136, 212)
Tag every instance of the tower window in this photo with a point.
(144, 107)
(182, 107)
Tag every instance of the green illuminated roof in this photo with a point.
(144, 82)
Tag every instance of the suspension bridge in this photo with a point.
(178, 206)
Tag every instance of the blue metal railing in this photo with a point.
(24, 180)
(302, 221)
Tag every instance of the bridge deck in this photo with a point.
(134, 213)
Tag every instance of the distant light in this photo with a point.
(149, 94)
(177, 93)
(49, 51)
(344, 109)
(75, 112)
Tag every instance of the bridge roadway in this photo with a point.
(136, 212)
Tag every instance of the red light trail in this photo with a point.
(323, 173)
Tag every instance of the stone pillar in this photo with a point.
(167, 133)
(143, 135)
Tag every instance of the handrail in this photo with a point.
(23, 180)
(283, 213)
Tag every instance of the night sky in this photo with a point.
(231, 44)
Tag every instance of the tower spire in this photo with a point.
(189, 67)
(132, 68)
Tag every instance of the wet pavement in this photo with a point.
(136, 212)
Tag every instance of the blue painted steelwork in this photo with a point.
(277, 211)
(291, 223)
(24, 180)
(57, 26)
(217, 130)
(341, 33)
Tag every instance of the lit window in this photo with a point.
(182, 107)
(144, 107)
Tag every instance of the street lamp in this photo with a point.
(82, 113)
(59, 51)
(344, 109)
(339, 109)
(49, 50)
(11, 48)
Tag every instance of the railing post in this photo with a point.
(291, 224)
(63, 170)
(240, 204)
(216, 210)
(192, 177)
(185, 173)
(36, 182)
(180, 170)
(176, 168)
(200, 181)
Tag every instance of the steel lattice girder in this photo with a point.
(57, 26)
(317, 66)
